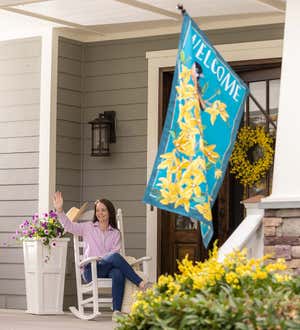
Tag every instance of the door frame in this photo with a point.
(167, 58)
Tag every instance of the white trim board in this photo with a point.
(166, 58)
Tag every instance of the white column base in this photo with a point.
(280, 202)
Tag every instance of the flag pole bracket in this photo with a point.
(180, 7)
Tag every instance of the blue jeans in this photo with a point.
(114, 266)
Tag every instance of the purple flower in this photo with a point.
(13, 237)
(21, 226)
(17, 232)
(45, 215)
(53, 243)
(46, 232)
(44, 239)
(52, 214)
(25, 232)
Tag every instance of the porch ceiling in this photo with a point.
(111, 19)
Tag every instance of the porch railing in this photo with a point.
(249, 234)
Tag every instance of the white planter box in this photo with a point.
(45, 280)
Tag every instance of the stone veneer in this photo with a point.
(282, 236)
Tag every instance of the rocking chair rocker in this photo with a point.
(91, 295)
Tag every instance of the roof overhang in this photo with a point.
(94, 20)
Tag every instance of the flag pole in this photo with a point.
(262, 110)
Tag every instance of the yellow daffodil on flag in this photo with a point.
(217, 108)
(203, 116)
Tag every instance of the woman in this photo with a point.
(102, 239)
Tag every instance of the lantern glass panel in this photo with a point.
(96, 138)
(104, 139)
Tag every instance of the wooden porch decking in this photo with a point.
(13, 319)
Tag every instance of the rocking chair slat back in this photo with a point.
(121, 228)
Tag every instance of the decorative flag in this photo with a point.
(204, 114)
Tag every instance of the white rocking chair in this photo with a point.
(93, 291)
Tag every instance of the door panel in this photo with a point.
(181, 250)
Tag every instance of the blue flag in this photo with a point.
(204, 114)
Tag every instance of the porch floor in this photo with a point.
(12, 319)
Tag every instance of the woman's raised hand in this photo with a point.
(58, 201)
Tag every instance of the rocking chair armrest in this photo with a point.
(140, 260)
(88, 260)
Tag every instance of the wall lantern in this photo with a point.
(103, 133)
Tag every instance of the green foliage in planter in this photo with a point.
(236, 294)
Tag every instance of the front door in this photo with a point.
(178, 235)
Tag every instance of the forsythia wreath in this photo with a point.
(246, 172)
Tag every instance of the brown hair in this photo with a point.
(111, 211)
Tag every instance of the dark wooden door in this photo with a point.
(178, 235)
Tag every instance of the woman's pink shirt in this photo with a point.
(97, 243)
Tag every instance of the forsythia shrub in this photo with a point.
(236, 294)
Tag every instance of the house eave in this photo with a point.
(146, 29)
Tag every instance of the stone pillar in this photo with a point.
(282, 236)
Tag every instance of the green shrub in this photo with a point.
(236, 294)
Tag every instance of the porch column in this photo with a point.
(48, 103)
(286, 177)
(282, 207)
